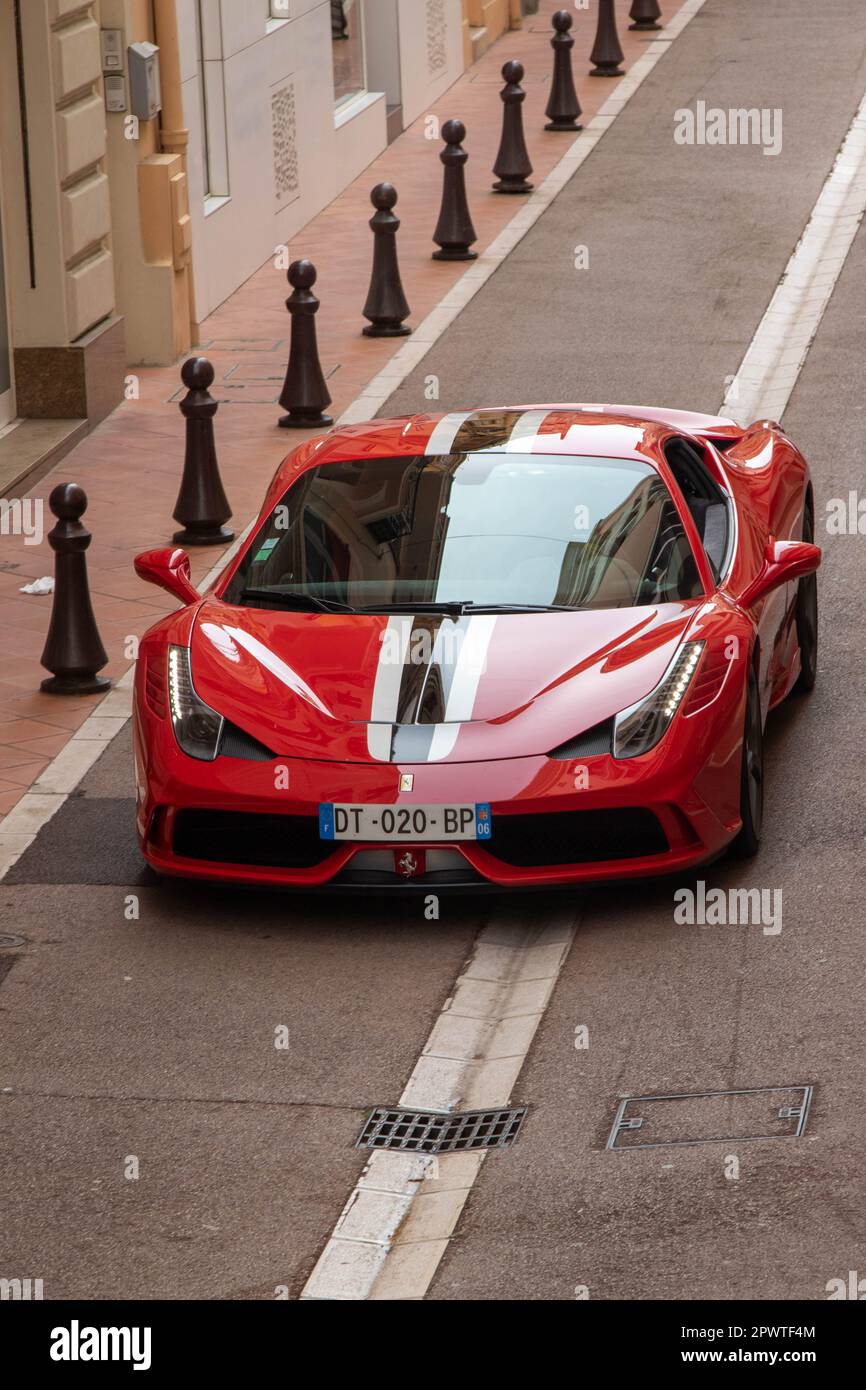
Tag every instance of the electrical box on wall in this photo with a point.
(145, 98)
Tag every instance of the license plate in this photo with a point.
(347, 822)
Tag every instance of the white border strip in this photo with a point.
(395, 1227)
(775, 357)
(20, 827)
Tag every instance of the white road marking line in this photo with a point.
(395, 1227)
(430, 330)
(778, 351)
(20, 827)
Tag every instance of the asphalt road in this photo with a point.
(154, 1038)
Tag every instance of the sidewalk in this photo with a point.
(130, 466)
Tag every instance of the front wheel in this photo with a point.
(751, 775)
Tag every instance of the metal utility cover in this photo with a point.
(710, 1117)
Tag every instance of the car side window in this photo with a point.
(705, 500)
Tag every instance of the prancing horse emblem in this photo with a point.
(407, 781)
(407, 864)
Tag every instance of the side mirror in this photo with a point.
(784, 561)
(170, 570)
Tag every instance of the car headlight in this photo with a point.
(638, 729)
(197, 727)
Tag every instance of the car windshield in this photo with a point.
(473, 529)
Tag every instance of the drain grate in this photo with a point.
(711, 1117)
(431, 1132)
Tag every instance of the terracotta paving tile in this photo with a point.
(10, 799)
(23, 774)
(47, 747)
(58, 715)
(12, 759)
(247, 340)
(21, 642)
(17, 730)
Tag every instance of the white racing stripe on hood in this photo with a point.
(471, 663)
(477, 631)
(443, 741)
(278, 668)
(393, 647)
(379, 741)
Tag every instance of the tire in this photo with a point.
(807, 614)
(748, 840)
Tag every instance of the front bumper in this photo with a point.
(554, 823)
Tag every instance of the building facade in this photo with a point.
(153, 153)
(287, 101)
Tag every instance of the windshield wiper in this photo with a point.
(451, 610)
(458, 607)
(455, 608)
(520, 608)
(319, 605)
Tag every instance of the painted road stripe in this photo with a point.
(775, 358)
(395, 1227)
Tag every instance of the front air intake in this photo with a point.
(247, 838)
(590, 744)
(559, 838)
(237, 744)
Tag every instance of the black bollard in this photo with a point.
(607, 53)
(201, 505)
(73, 647)
(512, 162)
(454, 232)
(645, 13)
(563, 108)
(386, 305)
(304, 394)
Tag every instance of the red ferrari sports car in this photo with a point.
(514, 647)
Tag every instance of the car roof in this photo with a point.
(600, 431)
